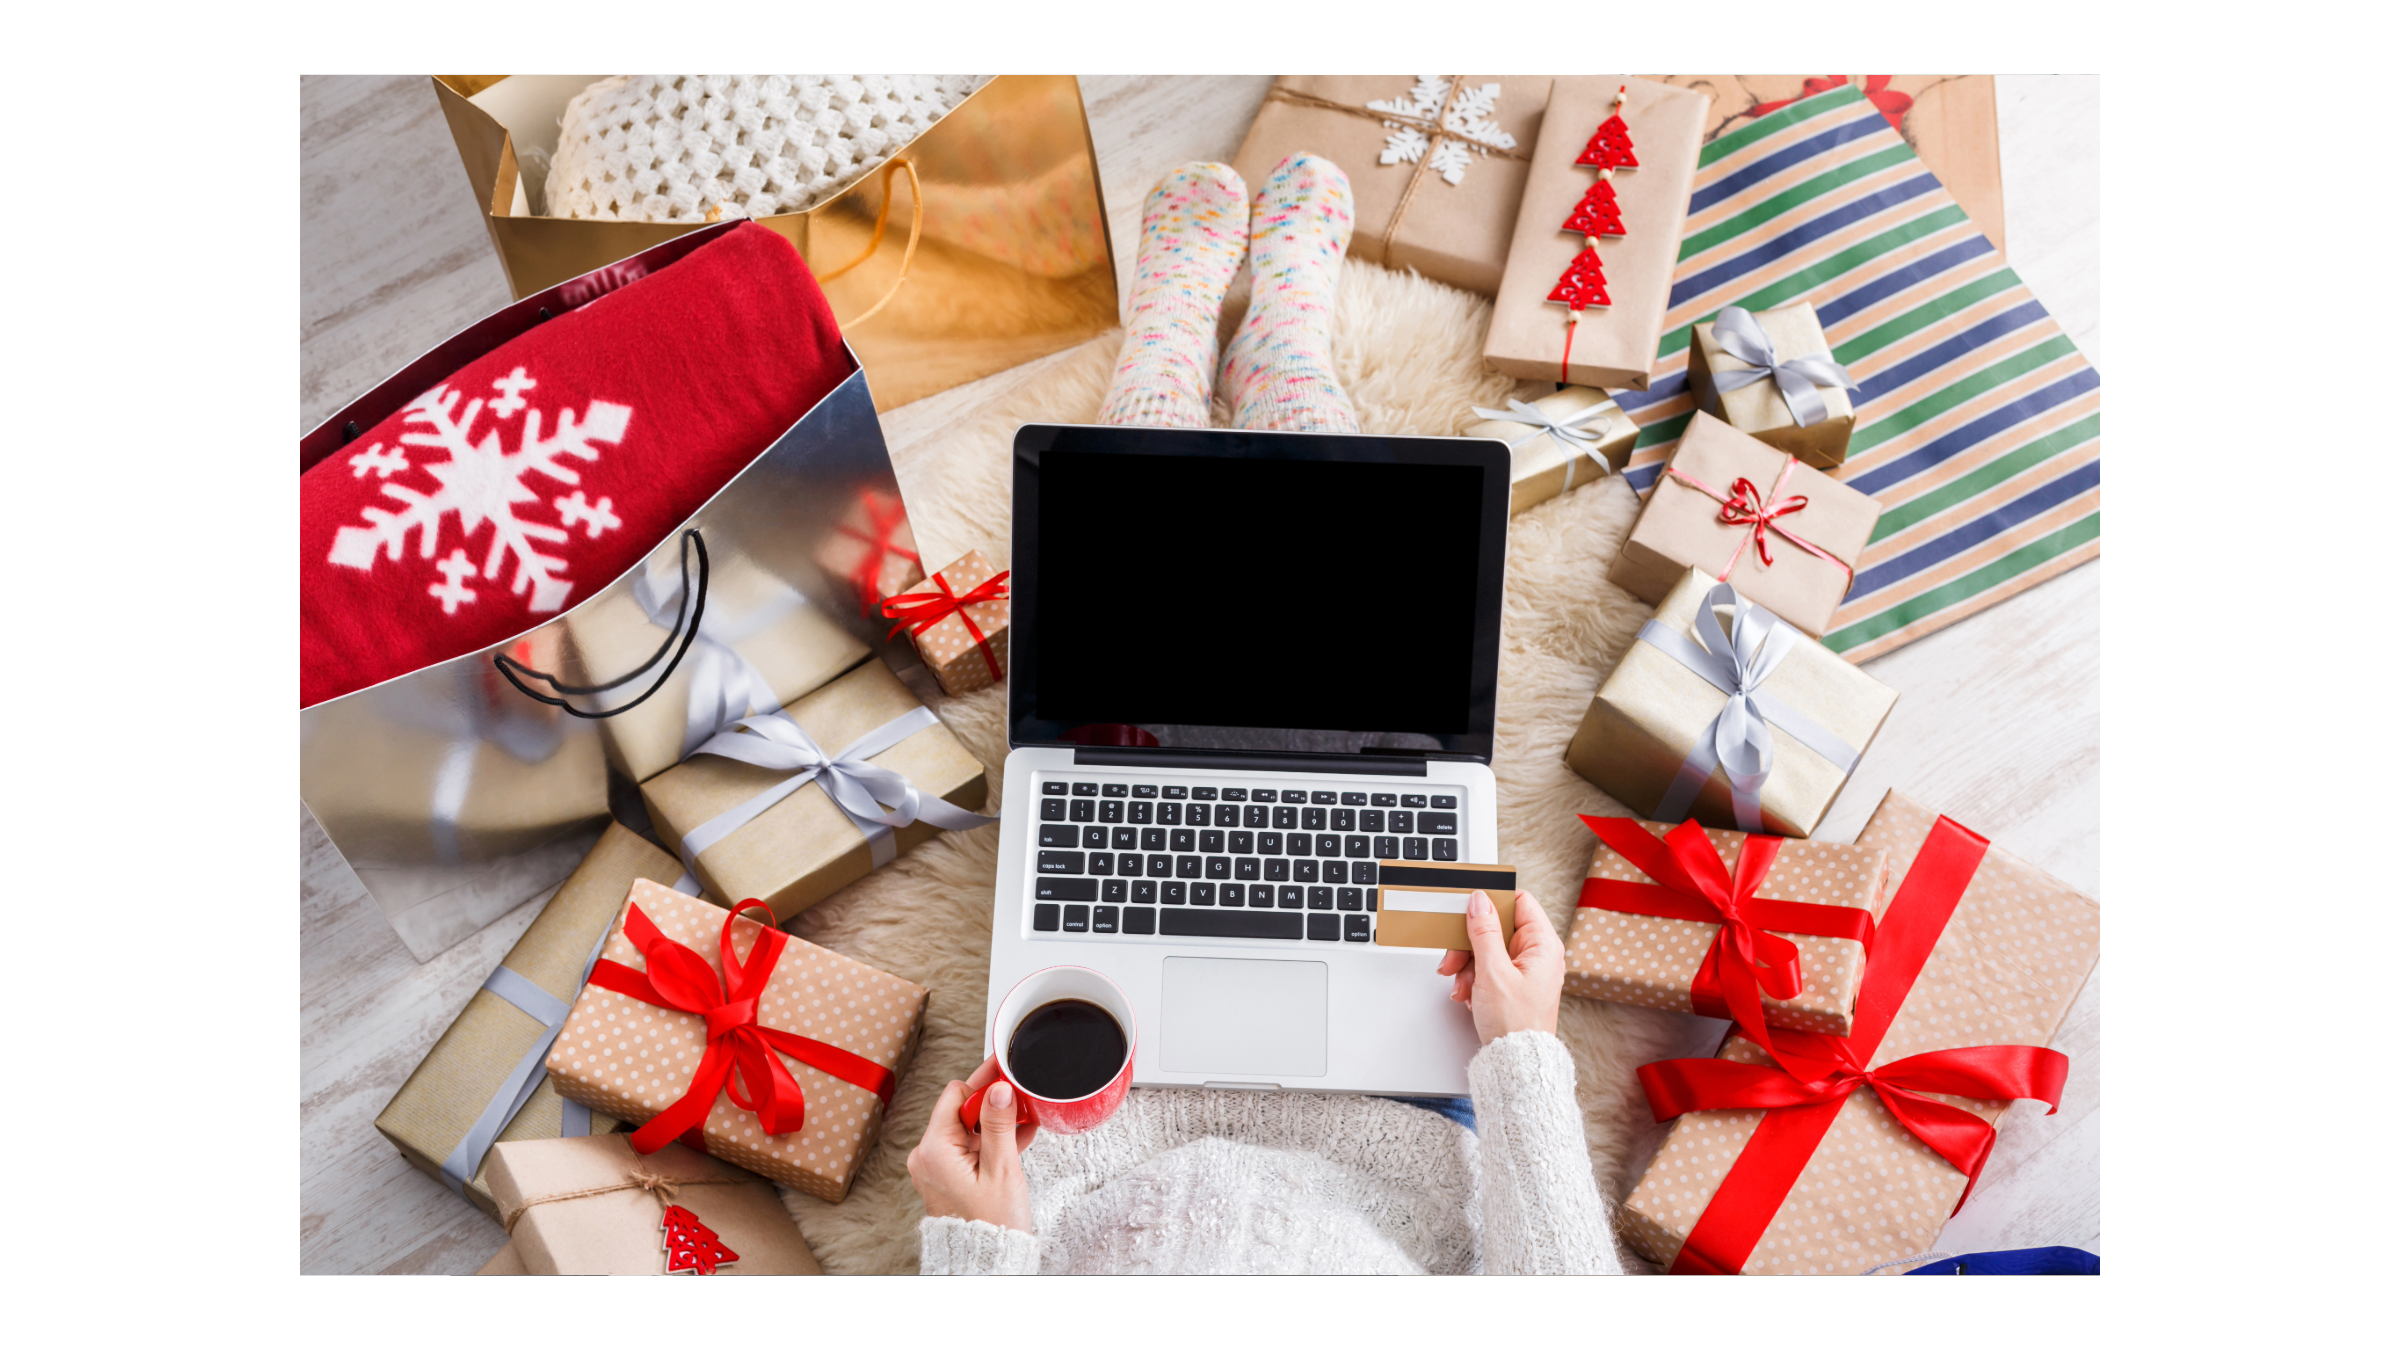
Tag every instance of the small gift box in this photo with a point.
(1786, 536)
(1584, 299)
(874, 549)
(1436, 166)
(687, 998)
(1722, 713)
(1558, 441)
(1772, 375)
(1780, 1164)
(483, 1081)
(596, 1207)
(1768, 932)
(761, 644)
(762, 812)
(958, 618)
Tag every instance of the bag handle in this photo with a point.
(695, 594)
(883, 214)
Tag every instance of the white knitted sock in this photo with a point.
(1194, 228)
(1279, 366)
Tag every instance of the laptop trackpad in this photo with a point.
(1249, 1019)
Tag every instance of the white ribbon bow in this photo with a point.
(1739, 737)
(1738, 332)
(1578, 439)
(724, 685)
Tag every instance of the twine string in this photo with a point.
(658, 1185)
(1435, 133)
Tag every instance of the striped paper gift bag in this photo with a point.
(1979, 420)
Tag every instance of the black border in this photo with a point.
(1024, 631)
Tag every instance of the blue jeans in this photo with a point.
(1460, 1109)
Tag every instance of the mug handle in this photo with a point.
(970, 1111)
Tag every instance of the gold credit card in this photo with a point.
(1425, 904)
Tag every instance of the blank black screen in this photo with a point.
(1244, 592)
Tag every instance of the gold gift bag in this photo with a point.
(1002, 254)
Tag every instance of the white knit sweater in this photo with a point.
(1183, 1182)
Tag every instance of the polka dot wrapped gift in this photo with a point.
(771, 1053)
(1827, 1155)
(959, 618)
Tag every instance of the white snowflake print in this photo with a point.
(1466, 130)
(482, 484)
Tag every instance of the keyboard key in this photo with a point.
(1145, 892)
(1278, 869)
(1045, 917)
(1237, 794)
(1402, 822)
(1413, 848)
(1350, 898)
(1065, 888)
(1299, 845)
(1324, 928)
(1356, 845)
(1386, 799)
(1054, 789)
(1138, 813)
(1287, 817)
(1103, 864)
(1112, 813)
(1058, 836)
(1329, 846)
(1362, 874)
(1170, 813)
(1322, 798)
(1254, 817)
(1345, 820)
(1371, 822)
(1104, 918)
(1287, 897)
(1412, 800)
(1219, 867)
(1204, 794)
(1059, 864)
(1124, 837)
(1320, 897)
(1087, 789)
(1228, 816)
(1371, 901)
(1187, 865)
(1438, 822)
(1228, 923)
(1204, 893)
(1112, 789)
(1304, 869)
(1357, 928)
(1445, 803)
(1145, 789)
(1054, 808)
(1262, 897)
(1240, 841)
(1353, 799)
(1174, 793)
(1294, 796)
(1245, 869)
(1445, 850)
(1095, 836)
(1171, 893)
(1113, 891)
(1212, 841)
(1083, 810)
(1336, 871)
(1386, 846)
(1078, 919)
(1159, 865)
(1143, 921)
(1154, 839)
(1129, 864)
(1313, 818)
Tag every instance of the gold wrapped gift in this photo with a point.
(1759, 407)
(1656, 715)
(795, 850)
(1557, 442)
(482, 1056)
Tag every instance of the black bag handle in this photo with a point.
(696, 595)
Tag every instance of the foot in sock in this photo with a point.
(1279, 367)
(1195, 224)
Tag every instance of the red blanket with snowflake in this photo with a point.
(514, 489)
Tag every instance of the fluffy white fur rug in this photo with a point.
(1410, 353)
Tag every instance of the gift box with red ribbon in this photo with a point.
(725, 1035)
(1764, 931)
(874, 549)
(959, 620)
(1805, 1153)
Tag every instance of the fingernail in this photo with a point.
(1002, 1094)
(1479, 903)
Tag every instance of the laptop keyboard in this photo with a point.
(1122, 859)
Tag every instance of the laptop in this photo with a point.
(1247, 672)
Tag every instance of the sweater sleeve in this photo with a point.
(1542, 1213)
(973, 1247)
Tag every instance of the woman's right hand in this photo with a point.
(962, 1174)
(1511, 981)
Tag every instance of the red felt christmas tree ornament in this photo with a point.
(1597, 213)
(1611, 147)
(1583, 284)
(692, 1246)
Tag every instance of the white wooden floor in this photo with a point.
(2000, 725)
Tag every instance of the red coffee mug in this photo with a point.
(1048, 986)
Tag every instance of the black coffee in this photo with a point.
(1066, 1049)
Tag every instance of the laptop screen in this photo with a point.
(1246, 591)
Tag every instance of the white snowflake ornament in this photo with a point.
(1465, 131)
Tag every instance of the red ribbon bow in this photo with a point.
(1889, 101)
(1743, 505)
(740, 1059)
(920, 610)
(1745, 961)
(886, 522)
(1818, 1073)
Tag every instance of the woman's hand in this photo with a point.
(964, 1175)
(1511, 982)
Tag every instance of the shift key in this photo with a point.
(1066, 888)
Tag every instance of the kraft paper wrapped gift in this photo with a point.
(1983, 980)
(844, 1031)
(1557, 442)
(1651, 730)
(1436, 167)
(1801, 514)
(761, 644)
(456, 1105)
(959, 620)
(596, 1207)
(804, 846)
(1652, 961)
(1616, 346)
(1739, 387)
(874, 549)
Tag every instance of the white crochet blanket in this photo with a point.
(681, 147)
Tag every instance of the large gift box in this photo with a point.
(1557, 442)
(690, 1005)
(1779, 1163)
(874, 549)
(1770, 373)
(1767, 932)
(760, 645)
(1722, 713)
(1436, 165)
(1785, 535)
(597, 1207)
(790, 807)
(958, 618)
(1596, 320)
(483, 1082)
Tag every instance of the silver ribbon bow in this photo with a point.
(574, 1118)
(1579, 440)
(1739, 738)
(1738, 332)
(724, 686)
(859, 788)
